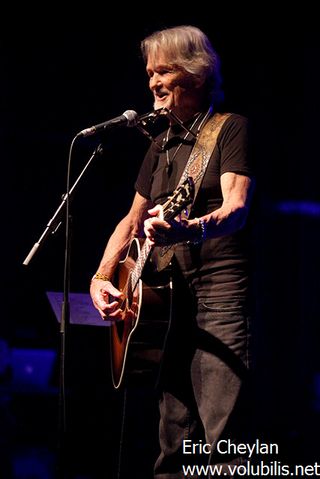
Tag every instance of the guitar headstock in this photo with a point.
(182, 196)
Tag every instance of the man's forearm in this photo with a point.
(117, 246)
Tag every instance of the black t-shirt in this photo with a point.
(218, 266)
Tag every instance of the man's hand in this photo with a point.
(107, 299)
(161, 233)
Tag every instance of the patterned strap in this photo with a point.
(196, 167)
(200, 155)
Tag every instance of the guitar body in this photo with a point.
(147, 298)
(147, 305)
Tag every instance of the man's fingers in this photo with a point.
(156, 211)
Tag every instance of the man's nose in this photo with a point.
(155, 81)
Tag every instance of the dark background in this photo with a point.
(60, 75)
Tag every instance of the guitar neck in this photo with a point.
(140, 264)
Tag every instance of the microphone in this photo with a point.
(128, 118)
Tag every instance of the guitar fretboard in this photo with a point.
(140, 263)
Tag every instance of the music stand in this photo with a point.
(82, 311)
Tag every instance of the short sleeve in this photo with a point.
(234, 144)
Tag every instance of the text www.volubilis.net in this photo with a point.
(260, 469)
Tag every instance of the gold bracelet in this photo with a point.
(101, 276)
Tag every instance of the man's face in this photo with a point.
(172, 88)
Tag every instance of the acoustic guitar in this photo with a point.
(140, 297)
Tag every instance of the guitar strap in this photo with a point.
(196, 167)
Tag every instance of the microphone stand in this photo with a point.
(56, 221)
(51, 228)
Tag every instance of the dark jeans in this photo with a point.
(203, 394)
